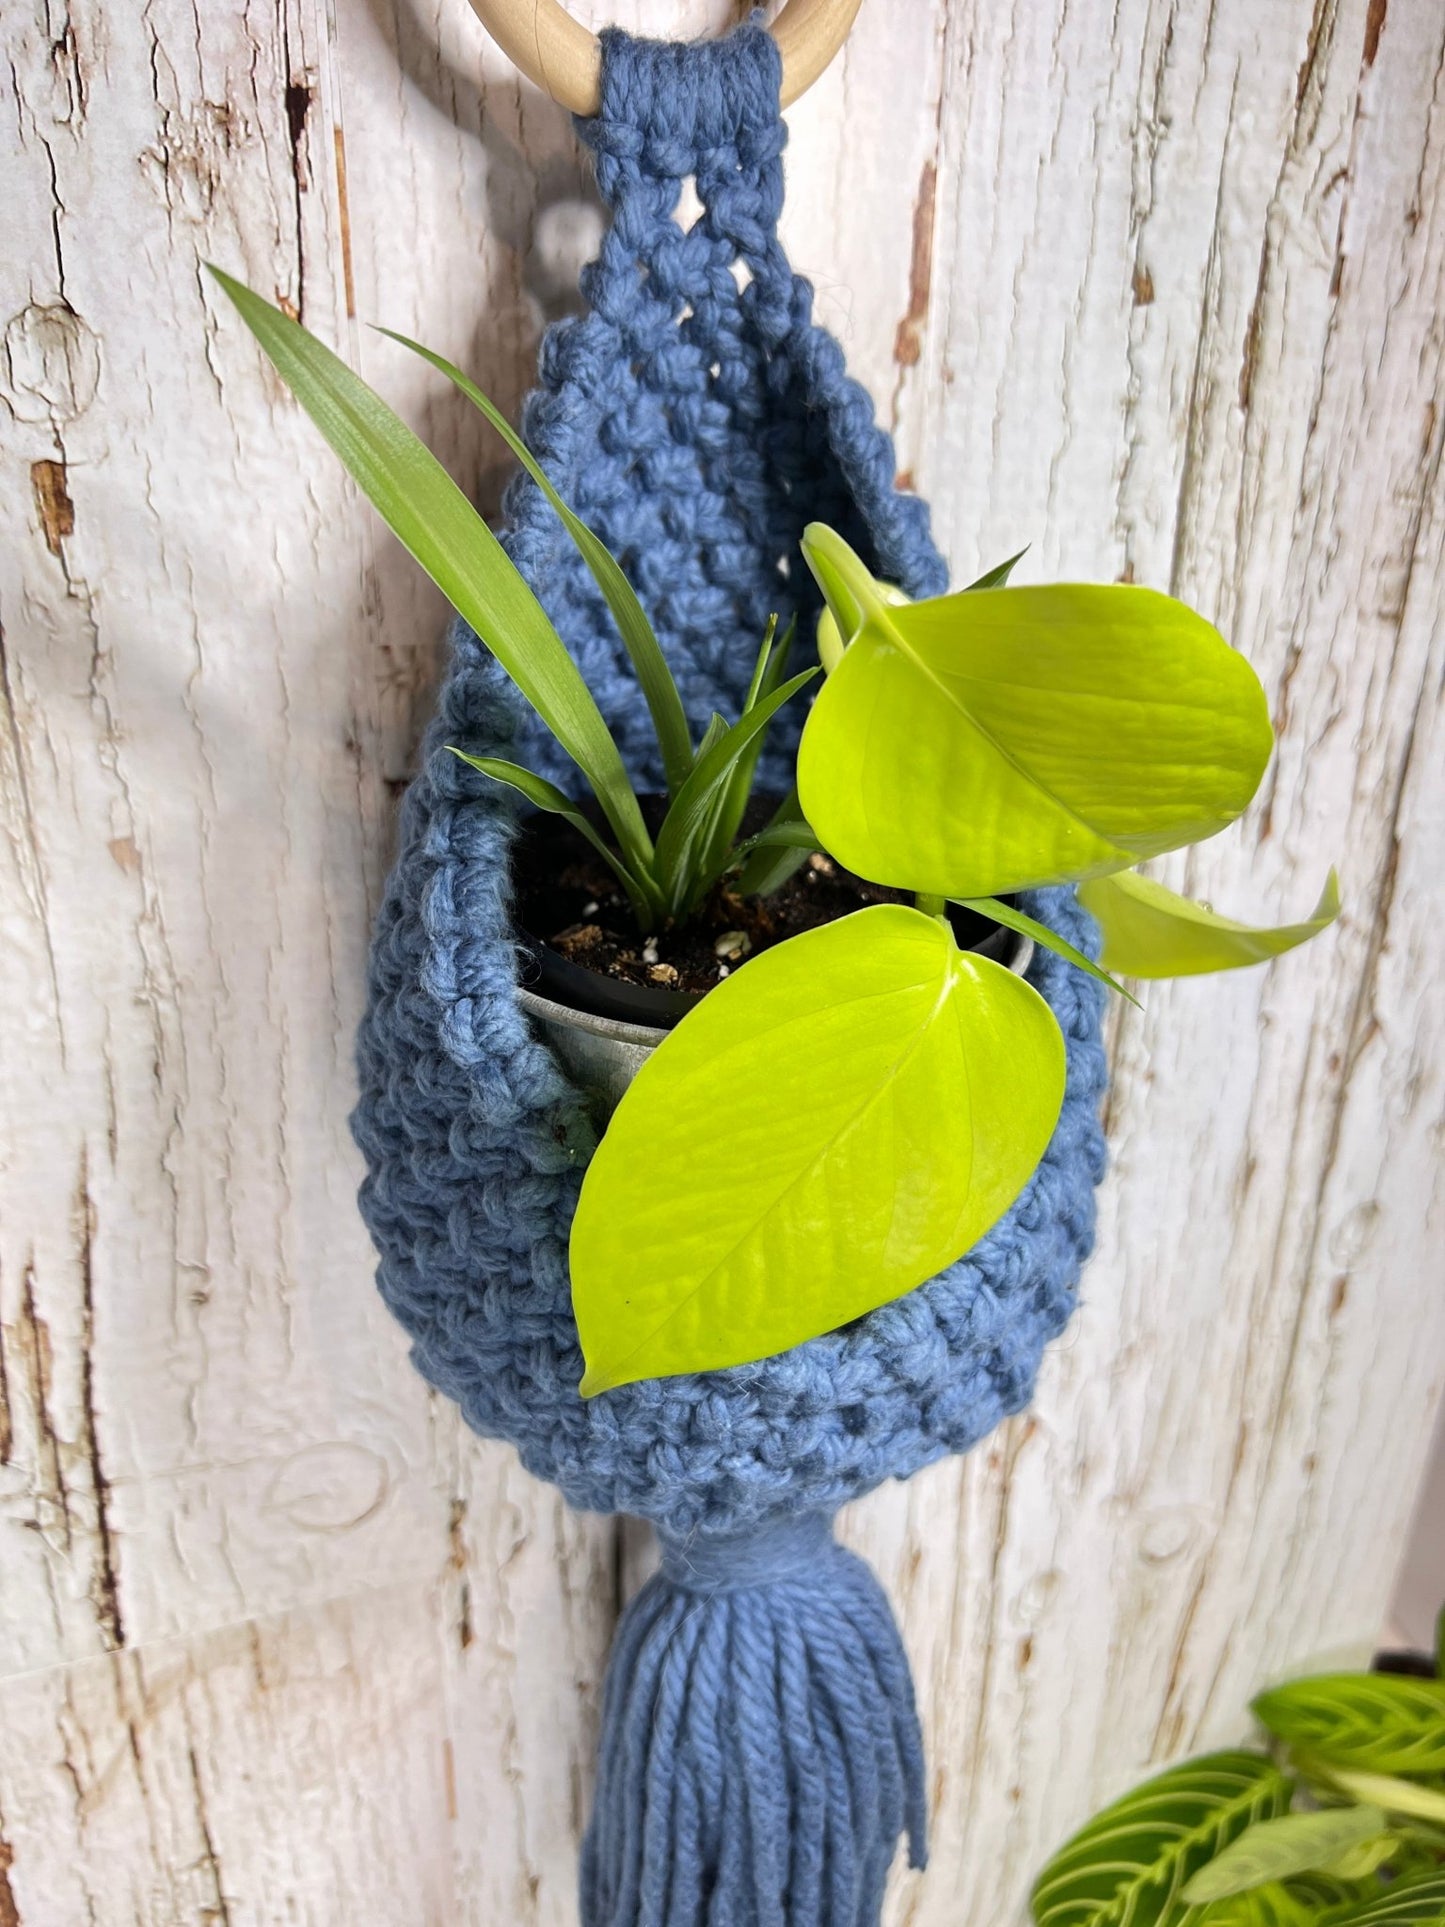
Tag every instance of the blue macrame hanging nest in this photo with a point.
(696, 417)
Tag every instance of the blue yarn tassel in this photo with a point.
(760, 1747)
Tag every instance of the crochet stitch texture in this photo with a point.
(697, 418)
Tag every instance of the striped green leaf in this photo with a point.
(1381, 1722)
(1275, 1849)
(1416, 1902)
(1129, 1866)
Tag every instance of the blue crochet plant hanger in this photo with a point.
(760, 1754)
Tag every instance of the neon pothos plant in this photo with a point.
(851, 1110)
(1340, 1824)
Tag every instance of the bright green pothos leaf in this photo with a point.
(1416, 1901)
(1382, 1722)
(1013, 919)
(1129, 1866)
(831, 642)
(1153, 932)
(543, 795)
(1274, 1849)
(977, 743)
(741, 1202)
(429, 514)
(643, 649)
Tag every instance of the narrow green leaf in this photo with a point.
(1128, 1867)
(731, 1164)
(429, 514)
(1415, 1902)
(975, 744)
(996, 578)
(1153, 932)
(1013, 919)
(764, 657)
(732, 799)
(643, 649)
(717, 728)
(1396, 1796)
(1274, 1849)
(543, 795)
(1386, 1722)
(688, 811)
(768, 867)
(783, 836)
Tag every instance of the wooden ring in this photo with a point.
(564, 58)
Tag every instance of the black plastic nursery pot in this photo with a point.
(604, 995)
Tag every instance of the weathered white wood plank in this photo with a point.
(1154, 288)
(213, 675)
(1188, 333)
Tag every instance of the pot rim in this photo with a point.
(649, 1036)
(613, 1029)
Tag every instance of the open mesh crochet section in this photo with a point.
(697, 418)
(700, 417)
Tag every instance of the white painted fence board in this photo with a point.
(1154, 288)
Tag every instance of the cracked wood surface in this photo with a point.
(1155, 288)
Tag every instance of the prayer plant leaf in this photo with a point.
(543, 795)
(1384, 1790)
(643, 649)
(1364, 1858)
(1275, 1849)
(1129, 1866)
(1279, 1903)
(1382, 1722)
(743, 1201)
(1013, 919)
(978, 743)
(1153, 932)
(1415, 1901)
(431, 517)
